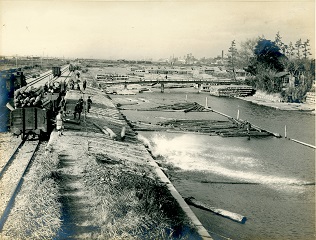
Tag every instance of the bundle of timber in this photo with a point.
(215, 127)
(185, 107)
(252, 133)
(201, 126)
(28, 96)
(231, 90)
(142, 126)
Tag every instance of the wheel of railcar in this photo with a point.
(23, 136)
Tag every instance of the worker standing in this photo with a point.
(59, 123)
(89, 102)
(84, 84)
(77, 111)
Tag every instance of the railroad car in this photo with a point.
(71, 68)
(26, 121)
(10, 80)
(35, 121)
(7, 84)
(56, 71)
(19, 80)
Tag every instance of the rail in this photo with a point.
(45, 75)
(12, 176)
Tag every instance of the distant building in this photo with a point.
(286, 79)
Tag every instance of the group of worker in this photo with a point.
(72, 85)
(77, 112)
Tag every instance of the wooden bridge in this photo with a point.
(162, 82)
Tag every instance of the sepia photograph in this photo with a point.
(157, 120)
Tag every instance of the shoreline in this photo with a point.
(304, 107)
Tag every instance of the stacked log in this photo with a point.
(28, 96)
(203, 126)
(185, 107)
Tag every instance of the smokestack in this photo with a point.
(222, 56)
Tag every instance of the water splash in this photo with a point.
(190, 153)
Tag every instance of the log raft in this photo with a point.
(226, 128)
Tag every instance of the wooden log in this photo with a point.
(227, 214)
(123, 132)
(8, 105)
(72, 121)
(110, 132)
(189, 109)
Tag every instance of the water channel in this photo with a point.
(271, 181)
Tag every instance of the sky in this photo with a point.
(147, 29)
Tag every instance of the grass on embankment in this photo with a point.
(132, 203)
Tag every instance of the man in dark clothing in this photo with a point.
(84, 84)
(78, 111)
(81, 103)
(89, 102)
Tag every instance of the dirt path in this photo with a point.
(76, 205)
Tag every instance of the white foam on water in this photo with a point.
(145, 141)
(187, 153)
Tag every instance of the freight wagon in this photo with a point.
(36, 120)
(73, 67)
(10, 80)
(26, 121)
(56, 71)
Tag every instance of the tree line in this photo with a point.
(268, 62)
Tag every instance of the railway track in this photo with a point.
(12, 176)
(47, 74)
(17, 165)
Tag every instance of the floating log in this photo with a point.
(186, 107)
(227, 214)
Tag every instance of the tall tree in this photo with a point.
(246, 53)
(279, 43)
(290, 50)
(268, 54)
(298, 46)
(232, 55)
(306, 49)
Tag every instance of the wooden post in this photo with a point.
(199, 87)
(186, 97)
(206, 103)
(238, 114)
(162, 87)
